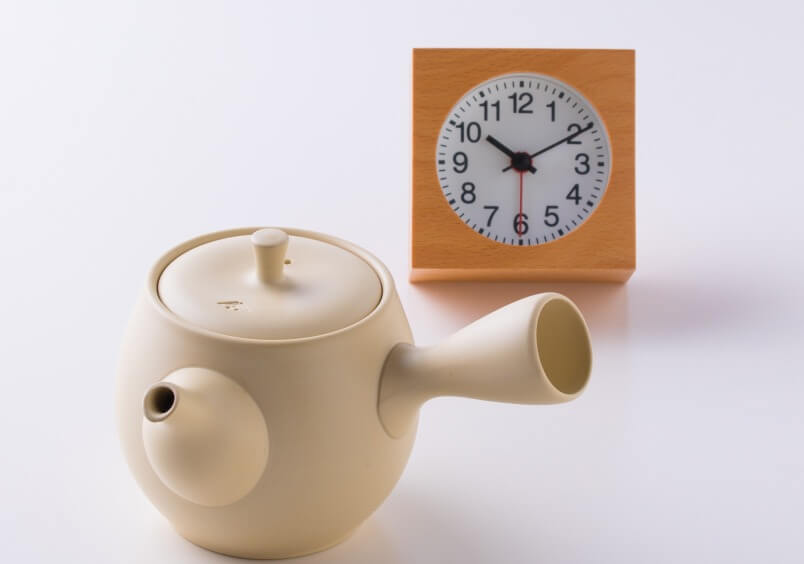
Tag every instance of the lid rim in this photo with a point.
(152, 286)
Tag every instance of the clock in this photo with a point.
(523, 165)
(523, 159)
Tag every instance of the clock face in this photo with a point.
(523, 159)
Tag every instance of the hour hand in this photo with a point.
(514, 156)
(499, 145)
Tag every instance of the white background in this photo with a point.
(128, 127)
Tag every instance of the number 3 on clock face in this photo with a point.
(523, 159)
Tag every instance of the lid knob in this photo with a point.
(269, 249)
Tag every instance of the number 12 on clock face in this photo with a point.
(523, 159)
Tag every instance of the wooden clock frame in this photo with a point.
(444, 248)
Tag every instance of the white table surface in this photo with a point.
(126, 127)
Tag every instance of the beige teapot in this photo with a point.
(268, 389)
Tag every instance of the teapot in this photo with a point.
(268, 387)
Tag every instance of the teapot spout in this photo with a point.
(535, 350)
(204, 436)
(160, 401)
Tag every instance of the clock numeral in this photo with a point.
(550, 217)
(573, 128)
(519, 106)
(470, 131)
(583, 160)
(552, 106)
(496, 106)
(520, 224)
(461, 162)
(574, 195)
(468, 193)
(491, 215)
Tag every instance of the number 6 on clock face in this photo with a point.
(523, 159)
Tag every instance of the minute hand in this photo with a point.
(560, 141)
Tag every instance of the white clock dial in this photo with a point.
(523, 159)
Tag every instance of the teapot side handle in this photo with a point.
(535, 350)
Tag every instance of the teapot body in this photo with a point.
(330, 462)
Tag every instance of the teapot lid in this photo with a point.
(269, 285)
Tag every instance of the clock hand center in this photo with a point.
(520, 161)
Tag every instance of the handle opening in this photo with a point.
(563, 346)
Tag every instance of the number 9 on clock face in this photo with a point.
(523, 159)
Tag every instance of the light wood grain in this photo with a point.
(444, 248)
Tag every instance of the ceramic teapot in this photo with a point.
(268, 389)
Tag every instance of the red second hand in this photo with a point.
(519, 223)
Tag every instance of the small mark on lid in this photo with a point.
(231, 305)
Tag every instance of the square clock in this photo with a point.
(523, 165)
